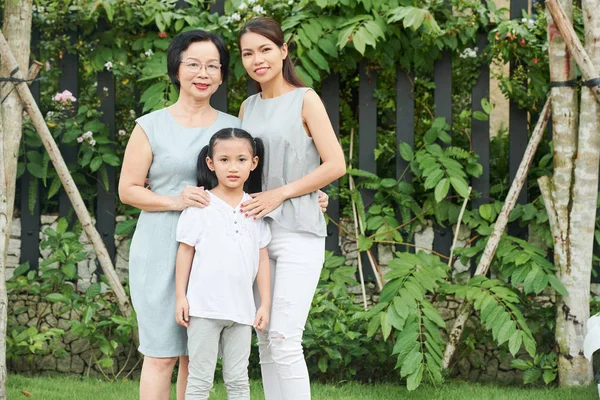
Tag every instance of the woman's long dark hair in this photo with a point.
(271, 29)
(208, 178)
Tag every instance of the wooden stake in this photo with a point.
(499, 227)
(65, 178)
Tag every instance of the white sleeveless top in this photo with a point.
(290, 154)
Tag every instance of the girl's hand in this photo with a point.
(262, 203)
(262, 318)
(182, 310)
(323, 201)
(191, 196)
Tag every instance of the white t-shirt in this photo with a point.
(226, 261)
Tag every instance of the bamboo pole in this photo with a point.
(588, 70)
(499, 227)
(65, 178)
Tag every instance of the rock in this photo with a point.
(492, 367)
(31, 312)
(507, 377)
(79, 346)
(505, 362)
(452, 304)
(64, 324)
(447, 314)
(77, 365)
(33, 322)
(15, 230)
(15, 305)
(64, 364)
(424, 239)
(474, 375)
(48, 219)
(51, 321)
(47, 363)
(464, 367)
(69, 337)
(43, 309)
(22, 319)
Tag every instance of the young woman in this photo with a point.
(220, 255)
(164, 147)
(302, 154)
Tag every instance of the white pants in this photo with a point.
(204, 337)
(296, 262)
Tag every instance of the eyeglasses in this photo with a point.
(191, 66)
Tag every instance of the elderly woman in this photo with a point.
(164, 147)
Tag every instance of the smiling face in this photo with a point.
(262, 58)
(197, 76)
(232, 161)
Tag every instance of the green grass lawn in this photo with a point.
(70, 387)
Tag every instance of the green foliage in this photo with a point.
(542, 366)
(336, 344)
(95, 315)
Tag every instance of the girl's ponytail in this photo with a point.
(206, 177)
(254, 182)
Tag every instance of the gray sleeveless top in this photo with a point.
(290, 154)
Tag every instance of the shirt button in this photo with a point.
(234, 211)
(237, 231)
(235, 222)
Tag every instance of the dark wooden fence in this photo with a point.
(330, 92)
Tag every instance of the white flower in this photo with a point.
(95, 84)
(243, 6)
(469, 53)
(132, 113)
(258, 9)
(290, 2)
(87, 135)
(523, 20)
(236, 17)
(148, 52)
(105, 89)
(251, 2)
(92, 142)
(122, 132)
(50, 114)
(80, 139)
(108, 65)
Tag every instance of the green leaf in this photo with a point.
(58, 298)
(92, 291)
(557, 285)
(441, 189)
(96, 163)
(487, 107)
(125, 227)
(549, 376)
(111, 159)
(70, 270)
(411, 364)
(106, 362)
(506, 331)
(480, 115)
(364, 243)
(359, 41)
(460, 186)
(514, 343)
(323, 364)
(388, 182)
(88, 314)
(406, 151)
(487, 212)
(35, 170)
(414, 380)
(531, 375)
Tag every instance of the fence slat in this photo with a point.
(330, 92)
(30, 223)
(106, 200)
(367, 138)
(219, 99)
(68, 81)
(405, 128)
(480, 130)
(518, 129)
(442, 239)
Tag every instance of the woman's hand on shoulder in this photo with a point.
(191, 196)
(263, 203)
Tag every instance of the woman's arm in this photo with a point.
(332, 167)
(183, 266)
(136, 164)
(263, 281)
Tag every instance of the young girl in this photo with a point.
(220, 255)
(302, 155)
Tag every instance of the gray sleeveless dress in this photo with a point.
(290, 154)
(153, 248)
